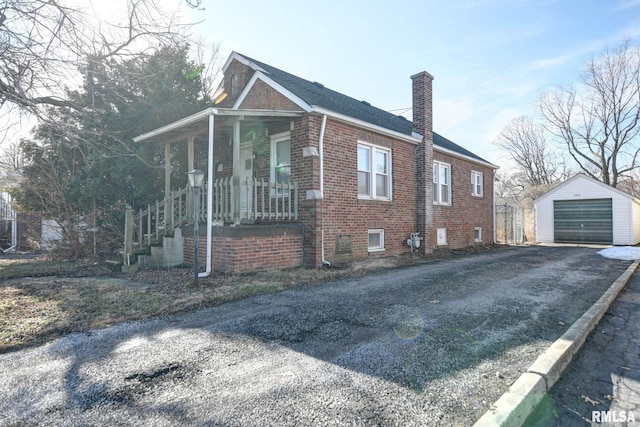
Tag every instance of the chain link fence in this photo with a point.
(8, 223)
(514, 225)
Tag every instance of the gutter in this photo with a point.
(321, 150)
(207, 271)
(176, 125)
(366, 125)
(495, 235)
(443, 150)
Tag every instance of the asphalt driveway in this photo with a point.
(432, 344)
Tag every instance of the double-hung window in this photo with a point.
(441, 183)
(374, 172)
(477, 184)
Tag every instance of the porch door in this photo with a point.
(246, 172)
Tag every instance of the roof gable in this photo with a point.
(581, 176)
(315, 94)
(261, 93)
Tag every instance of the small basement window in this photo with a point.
(376, 240)
(477, 234)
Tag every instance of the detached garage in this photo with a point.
(584, 210)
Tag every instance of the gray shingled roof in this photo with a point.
(316, 94)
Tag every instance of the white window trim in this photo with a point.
(278, 137)
(474, 175)
(448, 166)
(372, 175)
(376, 248)
(234, 84)
(441, 237)
(479, 230)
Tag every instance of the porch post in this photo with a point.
(167, 187)
(236, 170)
(190, 166)
(191, 153)
(167, 170)
(128, 236)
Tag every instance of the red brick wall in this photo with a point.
(345, 214)
(306, 170)
(245, 254)
(244, 74)
(263, 96)
(466, 211)
(202, 248)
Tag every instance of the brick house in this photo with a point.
(298, 174)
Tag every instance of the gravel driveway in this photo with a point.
(432, 344)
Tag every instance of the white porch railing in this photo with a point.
(158, 220)
(234, 201)
(250, 200)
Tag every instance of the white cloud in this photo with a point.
(546, 63)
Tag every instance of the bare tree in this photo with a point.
(207, 54)
(44, 44)
(11, 160)
(527, 145)
(599, 120)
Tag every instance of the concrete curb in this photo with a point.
(516, 404)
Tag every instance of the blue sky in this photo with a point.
(491, 58)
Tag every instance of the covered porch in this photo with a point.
(246, 157)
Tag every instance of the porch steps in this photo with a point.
(165, 253)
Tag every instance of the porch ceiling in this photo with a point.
(197, 124)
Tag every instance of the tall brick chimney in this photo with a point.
(423, 104)
(422, 85)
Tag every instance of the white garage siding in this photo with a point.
(626, 209)
(635, 221)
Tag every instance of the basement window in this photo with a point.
(376, 240)
(477, 234)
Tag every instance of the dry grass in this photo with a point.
(41, 299)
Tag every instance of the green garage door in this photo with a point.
(583, 221)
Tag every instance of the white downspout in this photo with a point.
(321, 150)
(495, 235)
(207, 271)
(14, 228)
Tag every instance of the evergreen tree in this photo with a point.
(89, 169)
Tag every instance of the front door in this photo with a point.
(246, 173)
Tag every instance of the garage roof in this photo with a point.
(592, 180)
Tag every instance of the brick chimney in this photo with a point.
(422, 85)
(423, 104)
